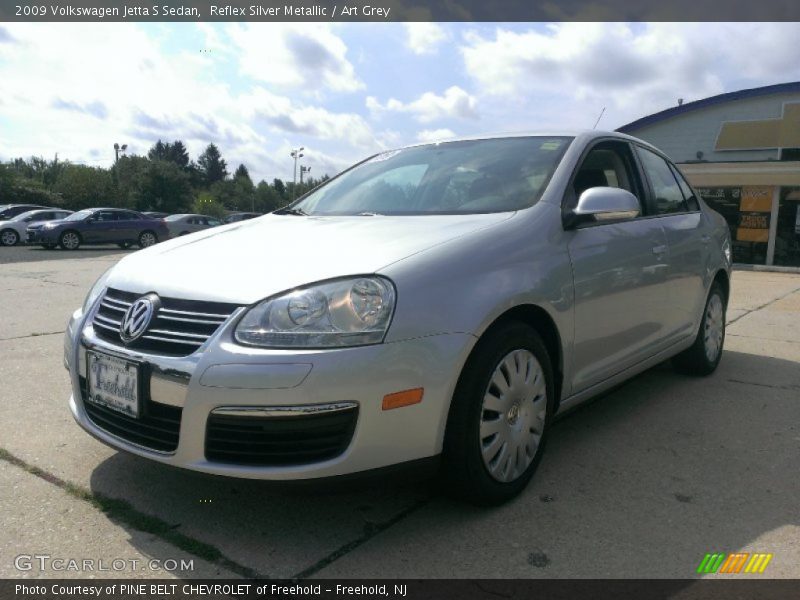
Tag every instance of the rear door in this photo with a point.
(620, 273)
(679, 212)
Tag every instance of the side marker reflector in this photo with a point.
(404, 398)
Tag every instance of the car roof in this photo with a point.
(583, 135)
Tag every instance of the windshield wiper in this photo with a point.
(298, 212)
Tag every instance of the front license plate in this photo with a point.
(114, 383)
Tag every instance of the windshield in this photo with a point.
(79, 216)
(476, 176)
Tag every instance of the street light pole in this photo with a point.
(295, 154)
(117, 150)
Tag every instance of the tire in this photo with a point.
(70, 240)
(9, 237)
(147, 239)
(703, 356)
(478, 464)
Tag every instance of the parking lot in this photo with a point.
(640, 483)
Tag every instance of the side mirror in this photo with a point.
(599, 204)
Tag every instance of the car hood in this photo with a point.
(248, 261)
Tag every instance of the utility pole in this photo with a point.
(295, 154)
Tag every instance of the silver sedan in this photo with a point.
(189, 223)
(439, 303)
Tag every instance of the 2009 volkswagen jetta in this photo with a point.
(443, 300)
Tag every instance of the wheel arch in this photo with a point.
(70, 230)
(544, 324)
(723, 279)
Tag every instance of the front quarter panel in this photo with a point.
(463, 286)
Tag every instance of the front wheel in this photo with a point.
(147, 239)
(498, 422)
(702, 357)
(69, 240)
(9, 237)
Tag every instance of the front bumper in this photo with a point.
(224, 375)
(41, 236)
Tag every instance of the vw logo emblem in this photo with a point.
(138, 317)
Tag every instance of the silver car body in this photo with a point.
(20, 223)
(620, 298)
(189, 223)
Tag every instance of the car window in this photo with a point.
(608, 164)
(688, 194)
(668, 197)
(214, 222)
(106, 215)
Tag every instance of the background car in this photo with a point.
(9, 211)
(14, 230)
(189, 223)
(241, 216)
(99, 226)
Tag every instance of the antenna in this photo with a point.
(602, 112)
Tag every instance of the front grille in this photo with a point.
(178, 328)
(279, 441)
(157, 428)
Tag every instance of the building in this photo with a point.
(741, 151)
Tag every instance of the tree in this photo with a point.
(279, 187)
(266, 198)
(175, 153)
(85, 187)
(162, 186)
(242, 173)
(212, 165)
(206, 204)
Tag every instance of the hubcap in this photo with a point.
(513, 415)
(70, 241)
(714, 327)
(148, 239)
(9, 238)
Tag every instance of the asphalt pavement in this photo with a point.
(640, 483)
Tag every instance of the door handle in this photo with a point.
(659, 249)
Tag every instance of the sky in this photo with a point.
(345, 91)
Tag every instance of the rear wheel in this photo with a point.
(69, 240)
(9, 237)
(702, 357)
(147, 239)
(499, 418)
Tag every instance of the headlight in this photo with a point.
(347, 312)
(97, 289)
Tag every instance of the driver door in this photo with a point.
(619, 271)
